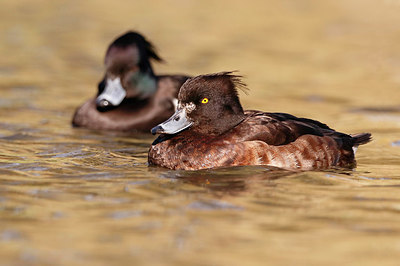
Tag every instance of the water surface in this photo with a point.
(74, 196)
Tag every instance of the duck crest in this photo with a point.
(226, 83)
(146, 49)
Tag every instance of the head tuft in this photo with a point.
(226, 83)
(145, 48)
(234, 82)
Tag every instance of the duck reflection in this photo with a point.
(229, 180)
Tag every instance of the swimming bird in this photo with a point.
(130, 97)
(210, 129)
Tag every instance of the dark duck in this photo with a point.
(130, 97)
(210, 129)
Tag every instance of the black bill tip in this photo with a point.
(104, 106)
(157, 129)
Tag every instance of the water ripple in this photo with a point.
(213, 205)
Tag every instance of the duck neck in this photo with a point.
(145, 84)
(216, 127)
(227, 123)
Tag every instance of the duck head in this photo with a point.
(128, 71)
(208, 104)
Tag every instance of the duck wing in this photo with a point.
(281, 128)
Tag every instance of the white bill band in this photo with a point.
(114, 93)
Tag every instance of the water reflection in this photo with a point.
(232, 180)
(378, 109)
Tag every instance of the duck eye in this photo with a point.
(205, 100)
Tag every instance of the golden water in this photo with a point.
(72, 196)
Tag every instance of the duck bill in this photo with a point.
(112, 95)
(176, 123)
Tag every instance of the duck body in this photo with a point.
(244, 137)
(132, 114)
(130, 97)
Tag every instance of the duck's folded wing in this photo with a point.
(281, 128)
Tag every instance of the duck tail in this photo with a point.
(362, 138)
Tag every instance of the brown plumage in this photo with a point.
(130, 97)
(221, 134)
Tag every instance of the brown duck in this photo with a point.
(130, 97)
(210, 129)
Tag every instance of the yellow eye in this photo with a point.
(205, 100)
